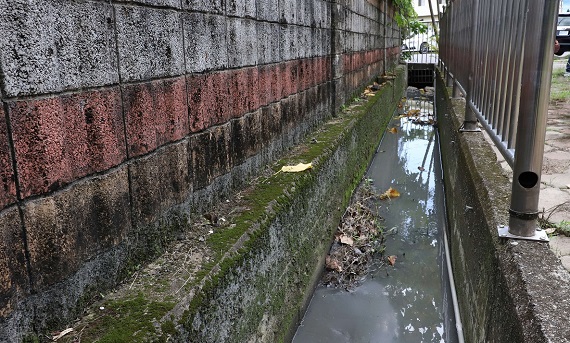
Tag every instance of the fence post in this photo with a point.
(531, 130)
(470, 122)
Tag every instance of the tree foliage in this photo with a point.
(406, 18)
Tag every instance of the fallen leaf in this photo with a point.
(421, 168)
(550, 231)
(344, 239)
(332, 264)
(61, 334)
(390, 193)
(298, 168)
(393, 130)
(413, 113)
(392, 259)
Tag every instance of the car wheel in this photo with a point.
(404, 47)
(424, 48)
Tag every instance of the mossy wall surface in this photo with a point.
(508, 291)
(259, 296)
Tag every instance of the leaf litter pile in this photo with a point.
(359, 240)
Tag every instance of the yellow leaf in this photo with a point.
(298, 168)
(390, 193)
(393, 130)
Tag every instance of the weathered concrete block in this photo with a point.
(156, 113)
(271, 125)
(209, 99)
(60, 139)
(161, 3)
(211, 154)
(242, 42)
(288, 42)
(246, 137)
(205, 42)
(7, 178)
(244, 91)
(150, 43)
(267, 10)
(288, 11)
(264, 84)
(52, 46)
(14, 283)
(68, 228)
(268, 42)
(241, 8)
(212, 6)
(270, 83)
(159, 182)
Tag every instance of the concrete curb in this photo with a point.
(509, 291)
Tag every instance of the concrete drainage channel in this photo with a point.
(414, 299)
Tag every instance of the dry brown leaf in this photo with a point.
(412, 113)
(390, 193)
(332, 264)
(344, 239)
(421, 168)
(393, 130)
(392, 259)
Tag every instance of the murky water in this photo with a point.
(409, 302)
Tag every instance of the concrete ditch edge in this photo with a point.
(509, 291)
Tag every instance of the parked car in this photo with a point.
(423, 49)
(563, 33)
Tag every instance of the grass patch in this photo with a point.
(559, 90)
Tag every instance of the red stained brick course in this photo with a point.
(209, 100)
(7, 183)
(60, 139)
(244, 91)
(156, 113)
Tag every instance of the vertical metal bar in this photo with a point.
(535, 93)
(518, 69)
(470, 122)
(490, 113)
(506, 96)
(499, 103)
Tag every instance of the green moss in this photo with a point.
(127, 320)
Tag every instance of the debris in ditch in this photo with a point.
(359, 240)
(389, 194)
(391, 259)
(393, 130)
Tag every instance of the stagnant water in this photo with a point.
(409, 302)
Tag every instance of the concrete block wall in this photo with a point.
(121, 120)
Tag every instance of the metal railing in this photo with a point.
(499, 54)
(421, 48)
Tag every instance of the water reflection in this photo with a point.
(406, 303)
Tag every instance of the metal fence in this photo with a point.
(499, 54)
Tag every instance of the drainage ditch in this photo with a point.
(407, 295)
